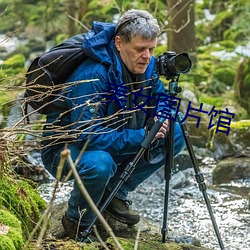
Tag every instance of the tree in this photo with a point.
(181, 26)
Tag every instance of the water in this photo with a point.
(187, 212)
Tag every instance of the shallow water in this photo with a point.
(187, 212)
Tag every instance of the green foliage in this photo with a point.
(16, 61)
(12, 67)
(160, 50)
(212, 100)
(221, 23)
(229, 23)
(224, 75)
(216, 71)
(242, 84)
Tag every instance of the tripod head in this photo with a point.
(174, 89)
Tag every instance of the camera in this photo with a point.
(171, 65)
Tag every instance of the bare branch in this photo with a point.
(66, 154)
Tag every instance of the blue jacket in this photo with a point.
(102, 124)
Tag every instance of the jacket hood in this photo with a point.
(98, 42)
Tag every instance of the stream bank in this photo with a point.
(187, 213)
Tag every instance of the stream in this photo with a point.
(187, 212)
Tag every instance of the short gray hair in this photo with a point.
(137, 22)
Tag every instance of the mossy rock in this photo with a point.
(231, 169)
(11, 237)
(21, 199)
(236, 142)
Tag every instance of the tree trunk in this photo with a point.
(71, 6)
(181, 27)
(83, 8)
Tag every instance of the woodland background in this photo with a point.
(214, 33)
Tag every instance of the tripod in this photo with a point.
(173, 90)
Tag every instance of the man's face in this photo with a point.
(137, 53)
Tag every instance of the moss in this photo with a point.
(16, 61)
(128, 244)
(212, 100)
(6, 243)
(9, 219)
(22, 200)
(240, 124)
(13, 239)
(16, 237)
(225, 75)
(239, 134)
(228, 45)
(13, 71)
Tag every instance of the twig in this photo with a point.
(66, 155)
(77, 21)
(137, 236)
(99, 238)
(45, 217)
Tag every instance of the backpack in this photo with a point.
(47, 73)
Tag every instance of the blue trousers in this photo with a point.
(100, 170)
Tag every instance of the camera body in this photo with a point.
(171, 65)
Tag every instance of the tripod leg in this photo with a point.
(199, 178)
(168, 173)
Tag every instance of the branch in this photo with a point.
(67, 155)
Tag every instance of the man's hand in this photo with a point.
(163, 130)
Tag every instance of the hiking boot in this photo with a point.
(75, 231)
(121, 211)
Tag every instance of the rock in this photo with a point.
(181, 179)
(233, 153)
(231, 169)
(149, 238)
(236, 142)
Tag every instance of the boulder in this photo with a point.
(237, 142)
(231, 169)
